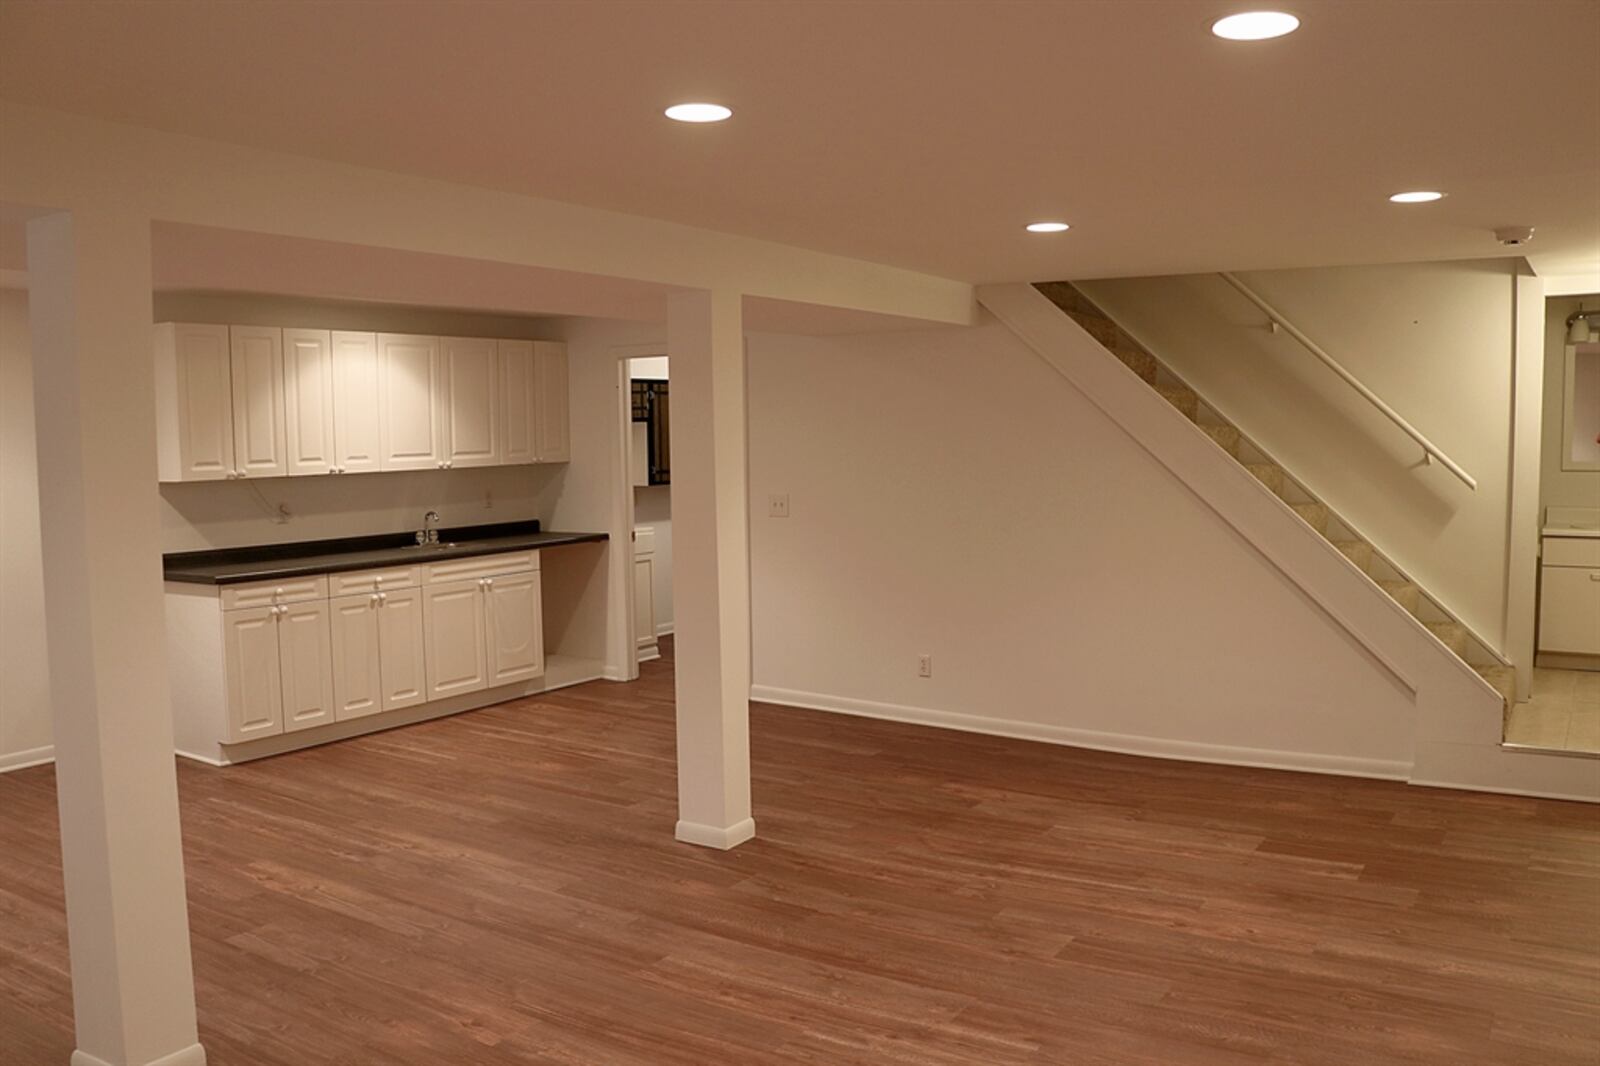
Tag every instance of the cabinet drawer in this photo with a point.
(391, 577)
(1572, 551)
(266, 593)
(480, 566)
(1569, 610)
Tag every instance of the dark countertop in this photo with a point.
(231, 566)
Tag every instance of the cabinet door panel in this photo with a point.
(355, 402)
(550, 363)
(306, 663)
(515, 627)
(452, 622)
(259, 449)
(400, 644)
(644, 601)
(201, 373)
(308, 401)
(255, 685)
(470, 383)
(519, 422)
(409, 408)
(1569, 610)
(357, 679)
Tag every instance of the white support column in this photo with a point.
(127, 921)
(711, 567)
(1527, 426)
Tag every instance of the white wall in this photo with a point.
(951, 495)
(1558, 487)
(25, 688)
(1434, 340)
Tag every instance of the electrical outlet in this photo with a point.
(924, 666)
(488, 499)
(778, 505)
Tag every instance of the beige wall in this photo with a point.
(1434, 340)
(1558, 487)
(25, 690)
(951, 495)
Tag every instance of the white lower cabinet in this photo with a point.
(357, 668)
(452, 626)
(259, 660)
(305, 665)
(403, 672)
(513, 627)
(255, 679)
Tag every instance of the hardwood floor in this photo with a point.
(502, 887)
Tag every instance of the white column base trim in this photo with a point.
(711, 836)
(193, 1055)
(1122, 743)
(21, 760)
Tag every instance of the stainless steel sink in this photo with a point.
(435, 547)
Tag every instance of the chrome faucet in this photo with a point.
(427, 534)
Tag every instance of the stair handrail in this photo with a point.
(1430, 450)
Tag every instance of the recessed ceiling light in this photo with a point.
(1047, 227)
(698, 113)
(1420, 196)
(1255, 25)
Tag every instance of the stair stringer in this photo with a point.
(1458, 718)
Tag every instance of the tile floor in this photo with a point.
(1564, 712)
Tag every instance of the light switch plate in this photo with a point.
(778, 505)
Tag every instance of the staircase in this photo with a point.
(1444, 626)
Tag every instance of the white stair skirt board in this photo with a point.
(1121, 743)
(21, 760)
(711, 836)
(193, 1055)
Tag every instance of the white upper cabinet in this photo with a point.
(259, 448)
(194, 402)
(409, 402)
(470, 400)
(308, 401)
(264, 401)
(355, 402)
(357, 674)
(550, 388)
(519, 412)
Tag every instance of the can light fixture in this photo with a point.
(1255, 25)
(1048, 227)
(1418, 196)
(698, 112)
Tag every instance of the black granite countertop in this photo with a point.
(230, 566)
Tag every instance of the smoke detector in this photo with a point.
(1512, 236)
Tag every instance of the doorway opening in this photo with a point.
(650, 478)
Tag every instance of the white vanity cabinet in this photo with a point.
(262, 659)
(264, 401)
(1569, 594)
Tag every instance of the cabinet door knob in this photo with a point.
(373, 599)
(383, 597)
(488, 582)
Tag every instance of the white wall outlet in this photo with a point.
(924, 666)
(778, 505)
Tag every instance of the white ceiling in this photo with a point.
(920, 134)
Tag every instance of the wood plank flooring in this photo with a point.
(502, 887)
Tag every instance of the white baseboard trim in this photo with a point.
(1121, 743)
(712, 836)
(1531, 793)
(650, 656)
(663, 629)
(21, 760)
(193, 1055)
